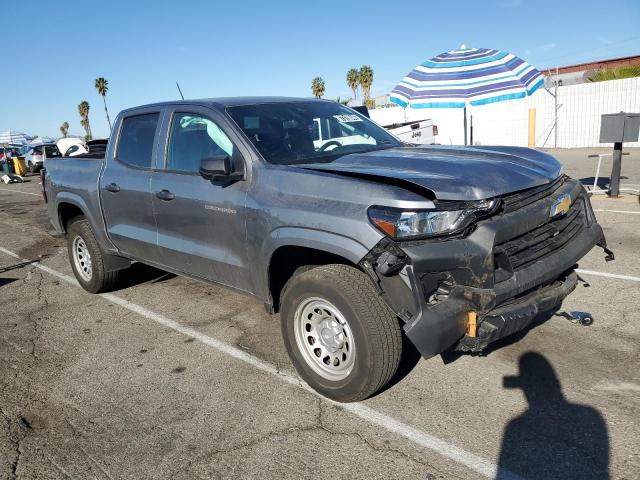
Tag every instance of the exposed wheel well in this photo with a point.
(66, 212)
(286, 260)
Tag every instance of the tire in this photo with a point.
(353, 335)
(84, 251)
(30, 167)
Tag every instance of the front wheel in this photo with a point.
(86, 258)
(340, 335)
(31, 168)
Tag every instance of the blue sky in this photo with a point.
(57, 49)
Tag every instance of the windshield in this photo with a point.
(308, 132)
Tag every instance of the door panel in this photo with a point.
(201, 223)
(128, 212)
(201, 230)
(125, 189)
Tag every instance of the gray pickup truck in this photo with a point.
(355, 238)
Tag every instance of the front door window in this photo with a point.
(192, 138)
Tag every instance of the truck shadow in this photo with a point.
(6, 281)
(553, 438)
(140, 273)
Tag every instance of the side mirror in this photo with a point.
(216, 166)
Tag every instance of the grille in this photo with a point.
(515, 201)
(545, 239)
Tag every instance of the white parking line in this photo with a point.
(374, 417)
(19, 191)
(610, 275)
(615, 211)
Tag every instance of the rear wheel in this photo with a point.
(86, 258)
(340, 335)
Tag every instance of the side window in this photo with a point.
(315, 132)
(192, 138)
(135, 146)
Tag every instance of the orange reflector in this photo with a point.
(472, 325)
(387, 227)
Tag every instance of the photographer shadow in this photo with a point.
(553, 438)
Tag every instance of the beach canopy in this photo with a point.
(468, 76)
(13, 138)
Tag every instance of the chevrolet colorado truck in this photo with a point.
(355, 240)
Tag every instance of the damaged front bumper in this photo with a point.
(512, 267)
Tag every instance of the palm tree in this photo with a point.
(353, 80)
(83, 110)
(64, 129)
(317, 87)
(102, 85)
(626, 71)
(366, 80)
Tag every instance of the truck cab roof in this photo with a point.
(223, 102)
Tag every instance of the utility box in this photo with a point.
(619, 127)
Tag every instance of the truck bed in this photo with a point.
(76, 180)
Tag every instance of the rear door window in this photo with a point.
(51, 151)
(135, 146)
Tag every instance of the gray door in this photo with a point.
(125, 189)
(201, 223)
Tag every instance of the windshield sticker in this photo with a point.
(347, 118)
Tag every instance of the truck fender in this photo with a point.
(96, 224)
(320, 240)
(78, 201)
(333, 243)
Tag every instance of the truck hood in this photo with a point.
(451, 173)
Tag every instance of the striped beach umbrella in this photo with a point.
(467, 76)
(13, 138)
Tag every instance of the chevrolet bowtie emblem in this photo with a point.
(561, 205)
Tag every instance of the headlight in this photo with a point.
(405, 224)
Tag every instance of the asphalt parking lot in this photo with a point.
(172, 378)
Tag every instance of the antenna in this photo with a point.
(177, 85)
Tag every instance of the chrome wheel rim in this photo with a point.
(82, 259)
(324, 339)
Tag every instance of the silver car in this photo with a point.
(37, 154)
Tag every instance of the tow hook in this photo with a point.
(581, 318)
(608, 254)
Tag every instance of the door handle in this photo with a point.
(165, 195)
(113, 187)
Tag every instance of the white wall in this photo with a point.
(506, 123)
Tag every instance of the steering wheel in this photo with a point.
(332, 143)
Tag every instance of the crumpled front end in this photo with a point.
(469, 291)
